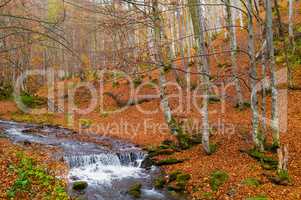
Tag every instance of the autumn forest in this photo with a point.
(150, 99)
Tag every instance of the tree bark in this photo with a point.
(203, 67)
(290, 21)
(233, 46)
(257, 138)
(271, 59)
(160, 64)
(181, 41)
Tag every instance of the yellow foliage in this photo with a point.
(85, 61)
(55, 9)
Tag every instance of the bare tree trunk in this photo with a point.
(233, 46)
(282, 159)
(159, 62)
(264, 91)
(290, 21)
(181, 41)
(257, 138)
(271, 59)
(194, 18)
(203, 67)
(172, 49)
(278, 15)
(292, 42)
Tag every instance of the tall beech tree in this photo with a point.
(258, 137)
(203, 68)
(233, 47)
(271, 62)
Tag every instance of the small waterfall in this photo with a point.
(129, 159)
(86, 160)
(133, 159)
(104, 168)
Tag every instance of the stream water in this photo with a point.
(109, 171)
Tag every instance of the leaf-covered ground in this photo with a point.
(26, 174)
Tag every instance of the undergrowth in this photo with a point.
(32, 178)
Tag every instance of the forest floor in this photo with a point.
(231, 131)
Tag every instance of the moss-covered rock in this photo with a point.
(147, 163)
(178, 181)
(281, 178)
(161, 152)
(135, 190)
(168, 161)
(79, 185)
(173, 175)
(167, 142)
(159, 183)
(267, 162)
(218, 178)
(163, 149)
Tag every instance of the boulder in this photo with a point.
(79, 185)
(147, 163)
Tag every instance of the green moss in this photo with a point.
(173, 175)
(183, 138)
(275, 144)
(251, 182)
(283, 175)
(178, 181)
(167, 142)
(32, 101)
(161, 152)
(213, 148)
(259, 197)
(135, 190)
(218, 178)
(266, 162)
(159, 183)
(183, 177)
(163, 149)
(169, 161)
(261, 137)
(79, 185)
(184, 141)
